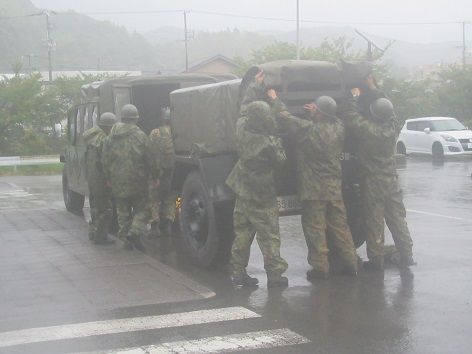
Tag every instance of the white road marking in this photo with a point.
(80, 330)
(222, 344)
(436, 215)
(15, 194)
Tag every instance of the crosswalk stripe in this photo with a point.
(221, 344)
(87, 329)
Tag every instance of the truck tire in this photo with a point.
(199, 224)
(73, 201)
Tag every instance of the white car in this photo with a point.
(436, 136)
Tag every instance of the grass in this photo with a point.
(33, 170)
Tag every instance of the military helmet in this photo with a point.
(107, 119)
(165, 114)
(260, 119)
(382, 109)
(258, 109)
(129, 112)
(327, 106)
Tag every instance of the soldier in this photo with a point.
(319, 148)
(252, 180)
(163, 197)
(374, 130)
(129, 166)
(99, 192)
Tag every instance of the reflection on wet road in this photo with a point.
(427, 309)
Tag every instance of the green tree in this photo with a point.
(25, 106)
(30, 108)
(329, 50)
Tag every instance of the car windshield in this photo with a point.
(446, 125)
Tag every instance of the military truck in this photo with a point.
(204, 112)
(149, 93)
(204, 123)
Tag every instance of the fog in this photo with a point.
(338, 13)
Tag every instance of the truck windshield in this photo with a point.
(446, 125)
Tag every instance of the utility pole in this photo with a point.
(464, 47)
(186, 41)
(298, 29)
(50, 43)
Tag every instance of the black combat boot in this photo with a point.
(403, 260)
(136, 243)
(103, 240)
(374, 264)
(128, 245)
(350, 269)
(243, 279)
(314, 274)
(155, 231)
(276, 281)
(166, 227)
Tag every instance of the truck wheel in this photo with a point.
(73, 201)
(198, 224)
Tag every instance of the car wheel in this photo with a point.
(437, 150)
(73, 201)
(200, 224)
(401, 149)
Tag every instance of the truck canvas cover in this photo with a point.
(306, 75)
(204, 117)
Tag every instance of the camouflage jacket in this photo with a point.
(319, 148)
(162, 147)
(94, 139)
(375, 141)
(127, 161)
(253, 176)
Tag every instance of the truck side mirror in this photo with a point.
(427, 130)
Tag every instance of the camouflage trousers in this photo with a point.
(323, 219)
(383, 200)
(100, 213)
(162, 200)
(133, 216)
(251, 218)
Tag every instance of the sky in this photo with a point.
(338, 12)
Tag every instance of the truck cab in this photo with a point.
(149, 93)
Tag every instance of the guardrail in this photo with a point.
(28, 160)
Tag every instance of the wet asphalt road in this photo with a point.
(425, 310)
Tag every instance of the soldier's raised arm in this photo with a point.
(286, 121)
(356, 123)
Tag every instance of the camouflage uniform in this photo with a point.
(381, 193)
(319, 150)
(163, 198)
(129, 166)
(99, 193)
(252, 180)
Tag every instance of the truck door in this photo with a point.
(121, 96)
(75, 155)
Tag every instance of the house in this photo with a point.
(217, 65)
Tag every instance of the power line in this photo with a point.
(279, 19)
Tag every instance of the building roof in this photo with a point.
(213, 58)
